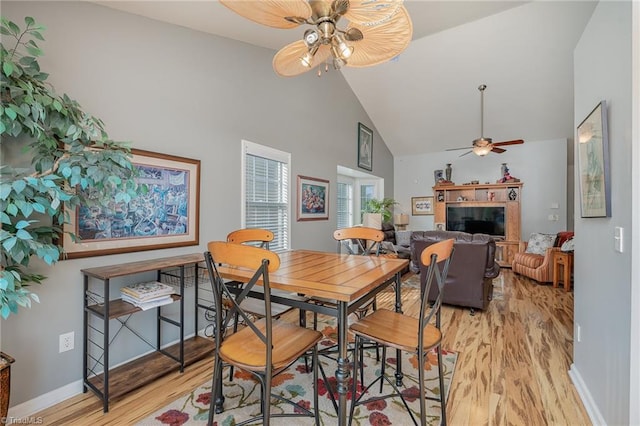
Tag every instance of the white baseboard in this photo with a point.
(585, 396)
(27, 408)
(39, 403)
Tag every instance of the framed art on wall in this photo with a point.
(365, 147)
(421, 206)
(313, 199)
(166, 215)
(593, 164)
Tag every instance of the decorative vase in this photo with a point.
(447, 172)
(503, 169)
(5, 383)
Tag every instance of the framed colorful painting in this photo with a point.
(166, 215)
(313, 199)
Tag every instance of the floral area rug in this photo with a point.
(242, 395)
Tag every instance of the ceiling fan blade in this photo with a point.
(468, 152)
(457, 149)
(272, 13)
(382, 42)
(369, 13)
(513, 142)
(286, 62)
(497, 150)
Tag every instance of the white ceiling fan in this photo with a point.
(482, 146)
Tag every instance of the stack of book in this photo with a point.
(147, 295)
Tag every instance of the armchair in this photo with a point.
(535, 257)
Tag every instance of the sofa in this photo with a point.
(399, 242)
(471, 271)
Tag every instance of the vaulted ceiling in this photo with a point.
(427, 99)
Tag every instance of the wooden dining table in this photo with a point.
(350, 280)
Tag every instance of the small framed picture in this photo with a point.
(313, 199)
(365, 147)
(439, 226)
(421, 206)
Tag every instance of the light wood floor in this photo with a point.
(512, 365)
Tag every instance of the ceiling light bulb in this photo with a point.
(307, 59)
(338, 62)
(310, 37)
(343, 50)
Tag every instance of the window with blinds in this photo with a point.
(344, 208)
(266, 192)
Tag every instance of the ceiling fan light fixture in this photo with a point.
(482, 150)
(307, 59)
(338, 62)
(342, 48)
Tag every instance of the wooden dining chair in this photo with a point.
(358, 240)
(265, 346)
(260, 238)
(408, 334)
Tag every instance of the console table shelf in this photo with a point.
(507, 195)
(146, 369)
(119, 308)
(99, 311)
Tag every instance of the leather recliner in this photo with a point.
(472, 269)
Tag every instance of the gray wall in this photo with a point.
(540, 165)
(176, 91)
(602, 61)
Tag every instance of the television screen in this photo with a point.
(476, 220)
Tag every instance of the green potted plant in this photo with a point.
(377, 211)
(72, 162)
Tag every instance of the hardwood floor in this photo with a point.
(511, 370)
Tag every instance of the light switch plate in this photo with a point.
(618, 239)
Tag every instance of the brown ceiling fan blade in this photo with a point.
(367, 12)
(271, 13)
(286, 62)
(497, 150)
(457, 149)
(382, 42)
(513, 142)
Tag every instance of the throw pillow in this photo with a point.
(539, 243)
(567, 245)
(403, 238)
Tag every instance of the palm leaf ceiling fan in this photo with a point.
(378, 30)
(482, 146)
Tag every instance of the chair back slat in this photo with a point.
(242, 256)
(367, 239)
(251, 235)
(437, 257)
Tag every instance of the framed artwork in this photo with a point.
(593, 164)
(439, 226)
(167, 215)
(313, 199)
(421, 206)
(365, 147)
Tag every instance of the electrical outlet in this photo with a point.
(66, 341)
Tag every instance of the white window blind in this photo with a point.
(266, 193)
(344, 209)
